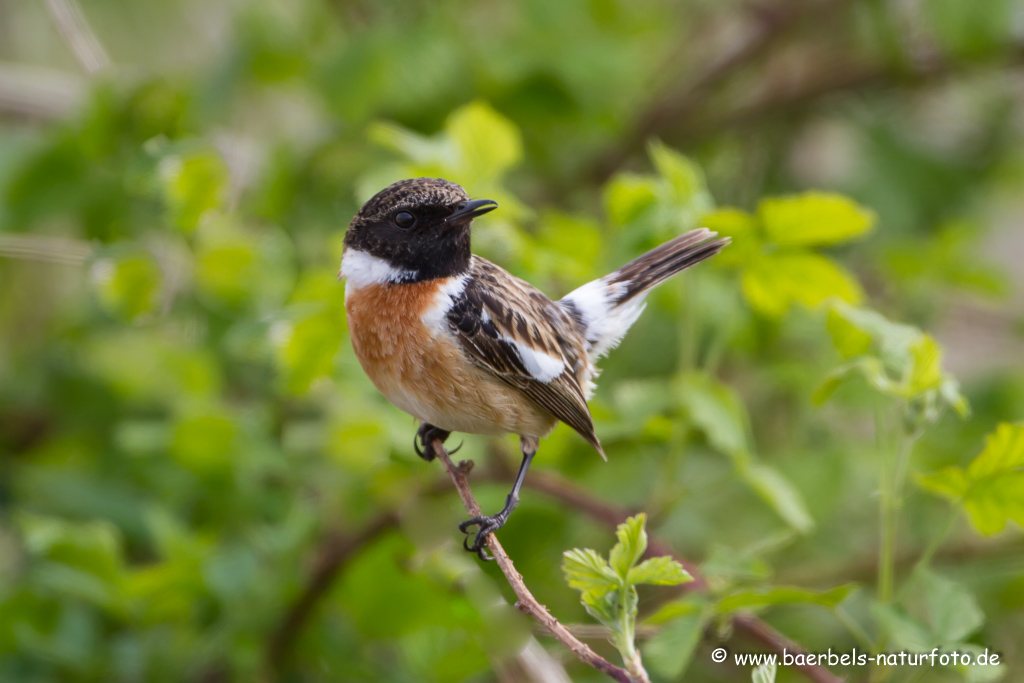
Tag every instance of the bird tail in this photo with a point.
(606, 308)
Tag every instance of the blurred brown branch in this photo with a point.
(682, 114)
(831, 80)
(765, 27)
(334, 554)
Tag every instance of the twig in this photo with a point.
(527, 603)
(78, 35)
(335, 553)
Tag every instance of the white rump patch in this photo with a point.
(361, 269)
(541, 366)
(605, 323)
(435, 317)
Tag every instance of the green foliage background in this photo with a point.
(185, 435)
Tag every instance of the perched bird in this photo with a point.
(462, 345)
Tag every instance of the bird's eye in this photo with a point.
(404, 220)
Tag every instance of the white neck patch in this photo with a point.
(362, 269)
(434, 316)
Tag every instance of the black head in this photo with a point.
(420, 225)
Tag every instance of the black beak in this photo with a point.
(467, 211)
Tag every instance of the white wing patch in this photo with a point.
(541, 366)
(605, 323)
(362, 269)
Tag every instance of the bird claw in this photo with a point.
(485, 527)
(423, 442)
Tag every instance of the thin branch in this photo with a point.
(334, 555)
(527, 603)
(78, 35)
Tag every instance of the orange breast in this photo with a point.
(425, 372)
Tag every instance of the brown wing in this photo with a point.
(526, 340)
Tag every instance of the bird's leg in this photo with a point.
(488, 525)
(424, 441)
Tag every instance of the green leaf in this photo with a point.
(631, 546)
(868, 367)
(605, 607)
(94, 547)
(953, 612)
(194, 183)
(205, 440)
(901, 630)
(718, 412)
(893, 340)
(673, 609)
(487, 143)
(628, 195)
(588, 572)
(684, 177)
(659, 571)
(744, 231)
(671, 649)
(567, 246)
(778, 492)
(128, 286)
(991, 503)
(735, 565)
(980, 673)
(240, 266)
(781, 595)
(731, 222)
(849, 339)
(813, 218)
(772, 283)
(949, 390)
(764, 673)
(991, 489)
(1003, 453)
(950, 482)
(926, 365)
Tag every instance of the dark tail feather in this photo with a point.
(662, 262)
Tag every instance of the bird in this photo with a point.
(462, 345)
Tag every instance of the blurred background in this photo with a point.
(198, 483)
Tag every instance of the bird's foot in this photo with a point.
(423, 444)
(485, 527)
